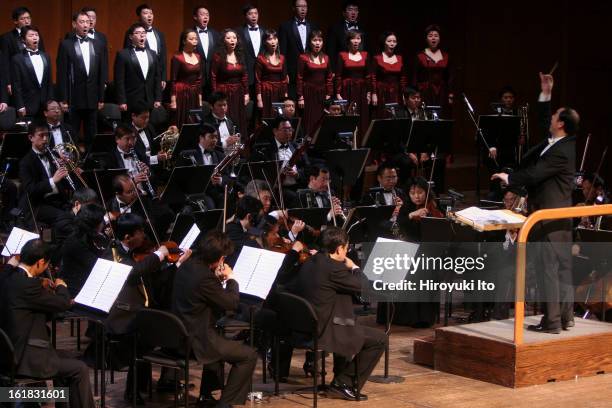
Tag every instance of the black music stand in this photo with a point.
(102, 143)
(328, 135)
(186, 180)
(182, 225)
(208, 220)
(502, 132)
(258, 169)
(14, 146)
(315, 217)
(189, 138)
(362, 223)
(346, 166)
(105, 177)
(389, 135)
(426, 135)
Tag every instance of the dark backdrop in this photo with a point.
(492, 44)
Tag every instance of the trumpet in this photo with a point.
(69, 156)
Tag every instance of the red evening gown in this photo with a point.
(352, 83)
(270, 82)
(433, 79)
(231, 79)
(186, 86)
(388, 81)
(314, 83)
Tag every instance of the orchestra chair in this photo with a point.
(8, 365)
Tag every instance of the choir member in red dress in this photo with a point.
(352, 79)
(432, 72)
(186, 71)
(270, 75)
(314, 81)
(388, 75)
(228, 74)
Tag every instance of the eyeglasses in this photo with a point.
(286, 129)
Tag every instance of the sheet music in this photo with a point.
(16, 240)
(103, 285)
(256, 269)
(190, 238)
(480, 216)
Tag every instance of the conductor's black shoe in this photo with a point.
(338, 390)
(540, 328)
(568, 324)
(127, 396)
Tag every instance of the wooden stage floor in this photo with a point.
(423, 387)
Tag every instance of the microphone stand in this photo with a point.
(479, 133)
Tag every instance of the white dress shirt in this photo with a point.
(39, 67)
(255, 39)
(145, 141)
(47, 165)
(85, 51)
(152, 41)
(129, 163)
(206, 156)
(204, 40)
(56, 134)
(143, 60)
(302, 31)
(223, 131)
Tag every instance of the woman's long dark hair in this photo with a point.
(268, 34)
(87, 222)
(183, 38)
(222, 51)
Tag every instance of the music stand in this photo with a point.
(387, 134)
(426, 135)
(326, 136)
(502, 132)
(102, 143)
(105, 177)
(315, 217)
(369, 219)
(208, 220)
(188, 138)
(346, 165)
(186, 180)
(182, 225)
(13, 147)
(258, 169)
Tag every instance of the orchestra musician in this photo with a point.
(59, 131)
(242, 230)
(317, 194)
(388, 194)
(417, 208)
(146, 146)
(219, 118)
(64, 224)
(24, 306)
(288, 107)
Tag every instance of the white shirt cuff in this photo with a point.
(53, 186)
(159, 255)
(153, 160)
(291, 236)
(543, 97)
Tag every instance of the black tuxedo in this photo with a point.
(336, 40)
(4, 78)
(140, 147)
(27, 91)
(199, 301)
(330, 286)
(115, 161)
(214, 38)
(210, 119)
(549, 178)
(11, 44)
(161, 50)
(291, 47)
(379, 199)
(240, 238)
(250, 55)
(131, 86)
(25, 305)
(69, 135)
(103, 41)
(78, 257)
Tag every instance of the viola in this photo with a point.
(273, 241)
(149, 247)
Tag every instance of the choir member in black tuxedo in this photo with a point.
(82, 248)
(219, 118)
(80, 77)
(200, 299)
(293, 38)
(31, 75)
(99, 36)
(146, 145)
(4, 81)
(209, 41)
(548, 174)
(155, 40)
(337, 33)
(59, 131)
(11, 43)
(252, 38)
(329, 280)
(25, 306)
(41, 181)
(137, 72)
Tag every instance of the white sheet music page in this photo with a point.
(103, 285)
(16, 240)
(190, 238)
(256, 269)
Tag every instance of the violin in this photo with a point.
(149, 247)
(273, 241)
(432, 210)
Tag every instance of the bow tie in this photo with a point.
(54, 127)
(42, 156)
(203, 30)
(299, 23)
(221, 120)
(283, 146)
(139, 49)
(123, 205)
(82, 40)
(91, 31)
(128, 155)
(253, 28)
(149, 30)
(33, 52)
(352, 26)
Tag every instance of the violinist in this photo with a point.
(242, 229)
(64, 225)
(24, 305)
(419, 206)
(135, 295)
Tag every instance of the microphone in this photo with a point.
(190, 154)
(456, 194)
(355, 224)
(467, 102)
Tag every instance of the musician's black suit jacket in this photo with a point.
(25, 307)
(199, 300)
(329, 286)
(74, 85)
(140, 147)
(28, 93)
(34, 178)
(115, 161)
(161, 53)
(131, 86)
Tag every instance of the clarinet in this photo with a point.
(58, 165)
(147, 182)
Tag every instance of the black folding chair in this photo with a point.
(8, 365)
(170, 344)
